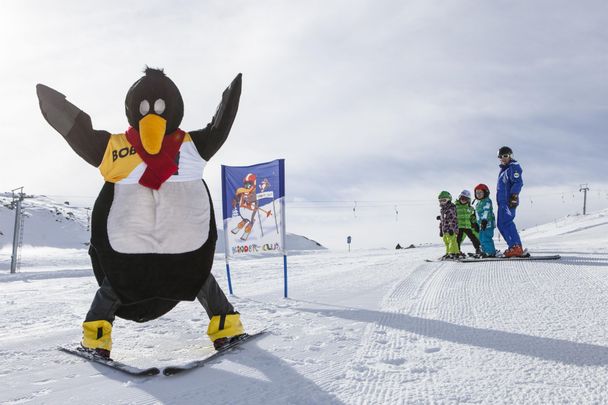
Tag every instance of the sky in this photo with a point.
(382, 103)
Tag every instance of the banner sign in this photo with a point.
(253, 199)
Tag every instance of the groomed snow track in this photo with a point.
(368, 327)
(495, 332)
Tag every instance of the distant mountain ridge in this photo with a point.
(58, 224)
(47, 223)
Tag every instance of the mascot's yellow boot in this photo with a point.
(97, 337)
(224, 327)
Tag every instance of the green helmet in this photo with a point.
(444, 194)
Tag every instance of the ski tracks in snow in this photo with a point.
(518, 332)
(378, 368)
(367, 327)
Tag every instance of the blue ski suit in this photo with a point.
(509, 182)
(484, 211)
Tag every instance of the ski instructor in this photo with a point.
(509, 186)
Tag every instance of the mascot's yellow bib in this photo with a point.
(121, 164)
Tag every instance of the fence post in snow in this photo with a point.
(584, 188)
(228, 276)
(17, 230)
(284, 276)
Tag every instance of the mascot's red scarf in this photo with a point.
(162, 165)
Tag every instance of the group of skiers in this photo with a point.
(460, 218)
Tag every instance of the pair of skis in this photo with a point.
(245, 234)
(497, 259)
(170, 370)
(509, 259)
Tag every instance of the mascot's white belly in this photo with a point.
(173, 219)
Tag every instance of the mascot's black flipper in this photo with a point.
(210, 139)
(73, 124)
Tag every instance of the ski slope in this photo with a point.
(377, 327)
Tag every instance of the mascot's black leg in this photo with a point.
(224, 322)
(104, 304)
(97, 327)
(213, 299)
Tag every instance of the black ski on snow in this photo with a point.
(495, 259)
(171, 370)
(116, 365)
(444, 259)
(441, 259)
(508, 259)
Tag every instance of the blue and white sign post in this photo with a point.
(253, 207)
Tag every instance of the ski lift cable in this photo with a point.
(338, 204)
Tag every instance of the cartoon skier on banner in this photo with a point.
(153, 226)
(245, 204)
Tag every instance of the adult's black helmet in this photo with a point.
(505, 150)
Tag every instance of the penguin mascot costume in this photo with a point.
(153, 229)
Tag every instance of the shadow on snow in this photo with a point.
(261, 378)
(558, 350)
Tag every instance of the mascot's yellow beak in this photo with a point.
(152, 129)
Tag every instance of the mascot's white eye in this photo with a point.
(144, 107)
(159, 106)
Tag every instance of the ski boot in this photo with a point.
(103, 353)
(514, 251)
(222, 343)
(97, 338)
(223, 329)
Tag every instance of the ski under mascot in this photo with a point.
(153, 231)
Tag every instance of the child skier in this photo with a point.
(485, 220)
(448, 227)
(466, 220)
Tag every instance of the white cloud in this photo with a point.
(387, 96)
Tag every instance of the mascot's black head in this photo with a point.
(154, 107)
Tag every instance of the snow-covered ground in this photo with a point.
(378, 327)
